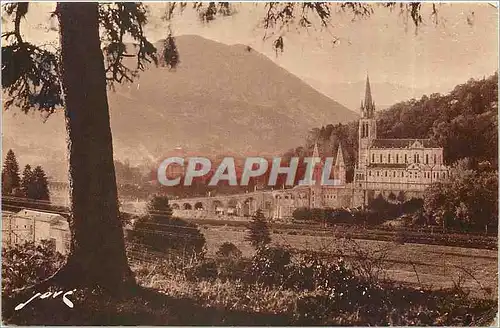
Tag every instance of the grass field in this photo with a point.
(420, 265)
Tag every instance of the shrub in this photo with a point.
(228, 250)
(258, 231)
(160, 232)
(163, 234)
(311, 310)
(159, 206)
(301, 213)
(413, 205)
(339, 216)
(311, 273)
(467, 199)
(269, 265)
(29, 263)
(206, 269)
(318, 214)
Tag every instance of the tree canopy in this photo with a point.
(463, 122)
(10, 174)
(468, 199)
(258, 233)
(160, 232)
(34, 183)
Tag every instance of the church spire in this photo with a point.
(339, 160)
(368, 92)
(315, 151)
(369, 106)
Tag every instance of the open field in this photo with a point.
(421, 235)
(431, 266)
(424, 265)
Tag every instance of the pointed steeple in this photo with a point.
(368, 92)
(315, 151)
(368, 107)
(339, 161)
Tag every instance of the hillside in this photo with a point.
(221, 99)
(463, 122)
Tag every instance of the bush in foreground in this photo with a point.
(258, 231)
(167, 235)
(327, 294)
(228, 251)
(331, 296)
(27, 264)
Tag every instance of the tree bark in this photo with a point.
(97, 255)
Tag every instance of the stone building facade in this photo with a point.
(385, 166)
(393, 165)
(35, 226)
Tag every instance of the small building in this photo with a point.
(30, 225)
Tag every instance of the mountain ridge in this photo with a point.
(220, 99)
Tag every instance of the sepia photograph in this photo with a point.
(249, 163)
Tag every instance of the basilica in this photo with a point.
(396, 169)
(393, 168)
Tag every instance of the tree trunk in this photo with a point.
(97, 255)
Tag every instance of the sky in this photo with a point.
(436, 57)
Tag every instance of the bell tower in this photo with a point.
(367, 126)
(340, 170)
(315, 190)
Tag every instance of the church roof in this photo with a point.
(402, 143)
(387, 166)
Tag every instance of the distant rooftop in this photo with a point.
(41, 216)
(387, 165)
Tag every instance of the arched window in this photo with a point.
(397, 158)
(426, 158)
(373, 158)
(380, 158)
(388, 158)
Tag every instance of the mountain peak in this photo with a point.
(221, 99)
